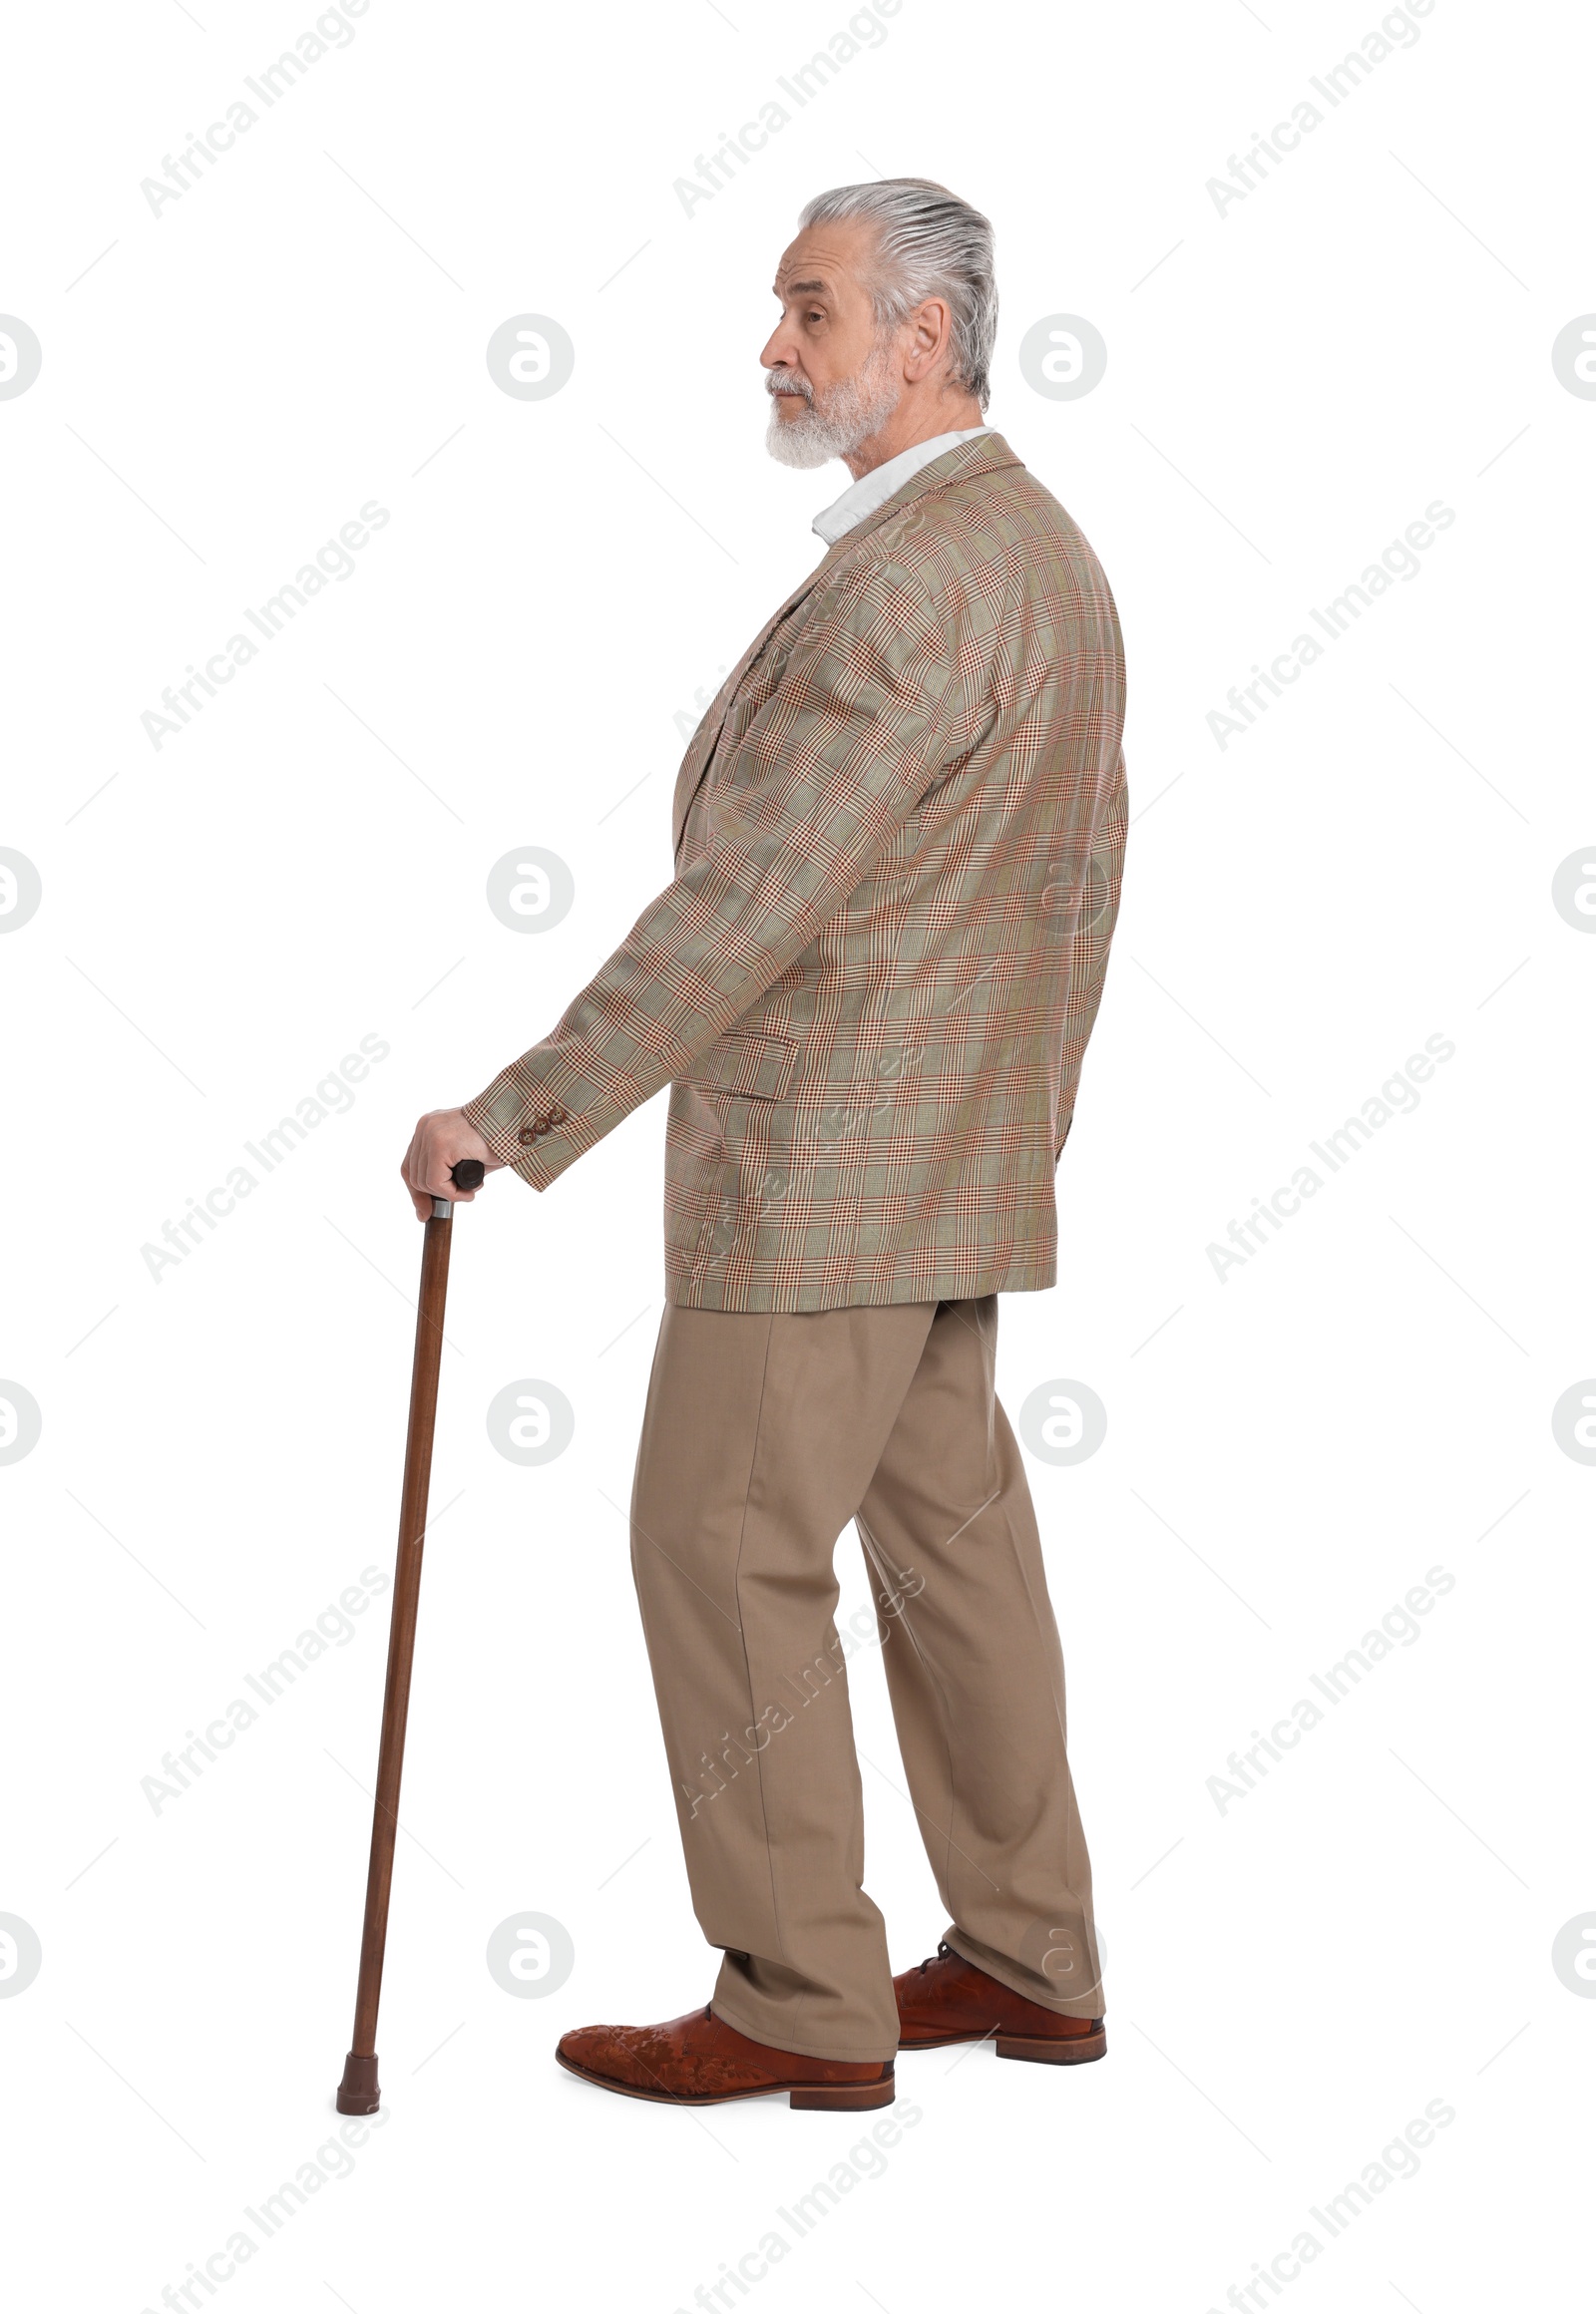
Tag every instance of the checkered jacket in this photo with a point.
(899, 834)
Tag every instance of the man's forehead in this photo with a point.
(826, 257)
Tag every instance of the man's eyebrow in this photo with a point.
(802, 289)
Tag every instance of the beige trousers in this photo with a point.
(764, 1433)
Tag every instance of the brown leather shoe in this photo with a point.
(699, 2061)
(948, 1999)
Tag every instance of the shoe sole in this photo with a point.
(1077, 2049)
(816, 2096)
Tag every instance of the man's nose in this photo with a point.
(780, 352)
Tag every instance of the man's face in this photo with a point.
(829, 371)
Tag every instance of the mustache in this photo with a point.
(784, 382)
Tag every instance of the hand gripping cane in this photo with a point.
(358, 2091)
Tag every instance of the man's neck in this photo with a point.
(954, 414)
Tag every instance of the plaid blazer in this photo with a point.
(899, 835)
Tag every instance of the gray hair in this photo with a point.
(930, 243)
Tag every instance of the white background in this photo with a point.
(1290, 1981)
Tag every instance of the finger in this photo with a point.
(414, 1186)
(433, 1173)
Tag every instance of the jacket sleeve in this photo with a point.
(877, 697)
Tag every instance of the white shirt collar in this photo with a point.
(873, 490)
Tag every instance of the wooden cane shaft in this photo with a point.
(402, 1626)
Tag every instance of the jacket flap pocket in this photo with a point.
(748, 1064)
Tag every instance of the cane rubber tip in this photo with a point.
(358, 2091)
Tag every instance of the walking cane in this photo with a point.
(358, 2091)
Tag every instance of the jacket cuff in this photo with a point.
(532, 1133)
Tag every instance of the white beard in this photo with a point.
(851, 412)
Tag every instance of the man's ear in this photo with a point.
(931, 327)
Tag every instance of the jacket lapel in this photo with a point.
(701, 748)
(956, 465)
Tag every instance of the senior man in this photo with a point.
(899, 833)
